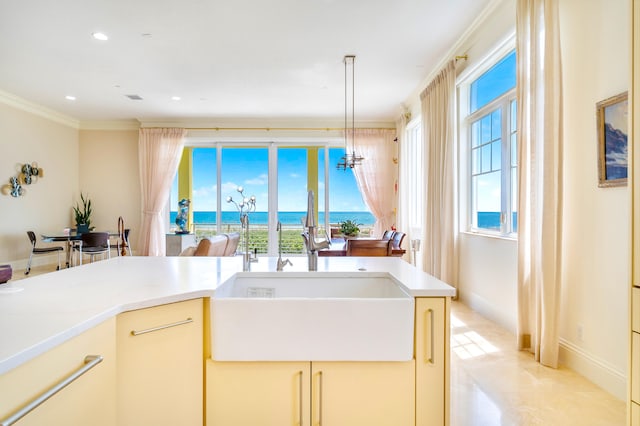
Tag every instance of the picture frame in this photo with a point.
(613, 142)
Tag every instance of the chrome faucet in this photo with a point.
(310, 235)
(281, 263)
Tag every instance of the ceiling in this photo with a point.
(238, 59)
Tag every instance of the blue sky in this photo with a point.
(248, 167)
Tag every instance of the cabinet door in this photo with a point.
(363, 393)
(160, 364)
(432, 361)
(635, 367)
(88, 400)
(257, 393)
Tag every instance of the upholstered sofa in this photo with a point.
(218, 245)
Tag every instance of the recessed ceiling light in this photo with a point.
(175, 98)
(70, 98)
(100, 36)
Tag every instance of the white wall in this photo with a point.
(47, 205)
(488, 265)
(595, 37)
(595, 46)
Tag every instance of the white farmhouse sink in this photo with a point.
(311, 316)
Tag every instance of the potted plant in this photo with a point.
(83, 215)
(350, 228)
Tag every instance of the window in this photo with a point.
(279, 175)
(292, 196)
(414, 158)
(246, 167)
(489, 126)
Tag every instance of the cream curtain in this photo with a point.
(403, 220)
(376, 175)
(439, 231)
(539, 121)
(159, 152)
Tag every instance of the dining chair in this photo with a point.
(357, 247)
(93, 244)
(397, 239)
(388, 234)
(40, 250)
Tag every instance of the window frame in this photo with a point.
(465, 121)
(415, 174)
(322, 147)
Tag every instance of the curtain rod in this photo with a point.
(268, 129)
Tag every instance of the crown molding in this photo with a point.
(30, 107)
(242, 124)
(456, 49)
(132, 124)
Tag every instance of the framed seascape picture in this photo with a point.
(612, 141)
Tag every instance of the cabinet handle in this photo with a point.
(320, 398)
(300, 398)
(431, 358)
(160, 327)
(90, 361)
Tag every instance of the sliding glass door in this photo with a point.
(279, 176)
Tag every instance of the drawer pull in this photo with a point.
(160, 327)
(320, 398)
(431, 359)
(90, 361)
(300, 398)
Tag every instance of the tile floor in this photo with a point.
(492, 383)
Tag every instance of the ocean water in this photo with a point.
(286, 218)
(491, 220)
(486, 220)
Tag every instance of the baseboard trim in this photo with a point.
(593, 368)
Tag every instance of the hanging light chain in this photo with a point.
(350, 159)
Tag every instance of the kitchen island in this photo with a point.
(42, 314)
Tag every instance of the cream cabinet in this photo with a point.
(310, 393)
(635, 367)
(87, 362)
(257, 393)
(363, 393)
(432, 361)
(160, 365)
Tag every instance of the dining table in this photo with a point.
(69, 236)
(339, 247)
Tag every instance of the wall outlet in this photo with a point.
(580, 333)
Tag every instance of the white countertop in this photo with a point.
(39, 313)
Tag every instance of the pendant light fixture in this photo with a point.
(350, 159)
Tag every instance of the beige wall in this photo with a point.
(100, 163)
(46, 206)
(109, 174)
